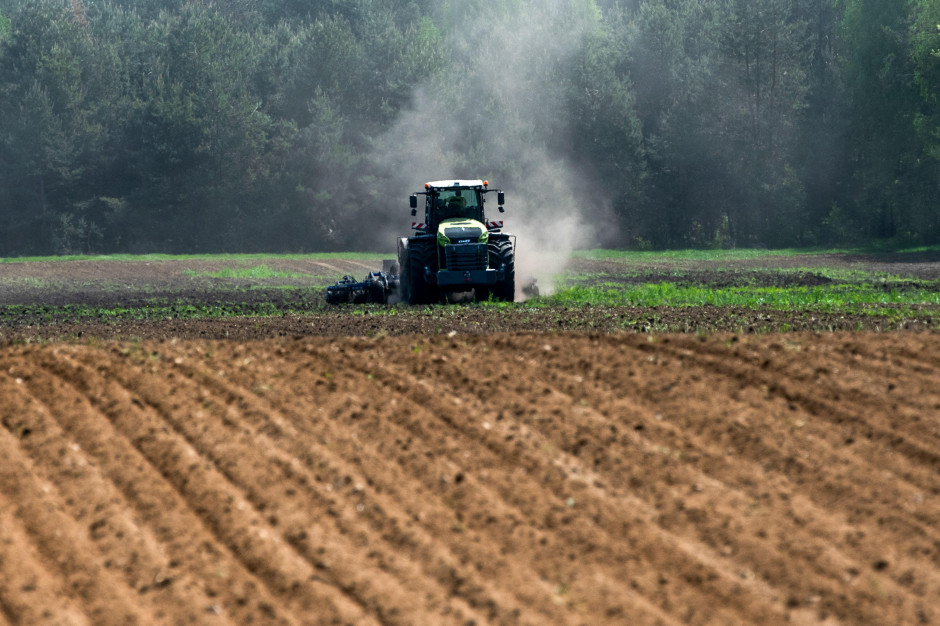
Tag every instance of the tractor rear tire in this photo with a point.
(502, 255)
(421, 254)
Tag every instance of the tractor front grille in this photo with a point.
(465, 257)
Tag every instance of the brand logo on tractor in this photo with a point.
(464, 241)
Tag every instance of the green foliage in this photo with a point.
(4, 26)
(891, 194)
(605, 126)
(242, 259)
(258, 271)
(644, 257)
(925, 39)
(831, 299)
(155, 310)
(164, 125)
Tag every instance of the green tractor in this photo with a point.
(456, 249)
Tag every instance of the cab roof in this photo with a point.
(459, 183)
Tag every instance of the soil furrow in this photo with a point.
(219, 506)
(62, 543)
(77, 465)
(685, 473)
(385, 502)
(30, 593)
(847, 502)
(358, 451)
(839, 564)
(244, 453)
(382, 496)
(526, 478)
(838, 407)
(553, 482)
(182, 536)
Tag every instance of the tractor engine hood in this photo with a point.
(461, 230)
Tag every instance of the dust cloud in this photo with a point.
(501, 118)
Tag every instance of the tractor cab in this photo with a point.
(458, 204)
(452, 199)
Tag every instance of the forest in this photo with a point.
(193, 126)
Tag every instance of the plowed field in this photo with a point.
(462, 465)
(510, 478)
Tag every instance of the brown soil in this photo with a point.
(376, 323)
(458, 468)
(527, 478)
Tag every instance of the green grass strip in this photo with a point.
(826, 298)
(739, 254)
(78, 313)
(256, 272)
(236, 258)
(687, 255)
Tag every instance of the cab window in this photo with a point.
(462, 203)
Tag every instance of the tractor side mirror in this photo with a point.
(413, 201)
(500, 199)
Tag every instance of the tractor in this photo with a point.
(456, 249)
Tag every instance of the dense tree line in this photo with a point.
(265, 125)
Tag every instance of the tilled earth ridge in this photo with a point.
(508, 478)
(376, 322)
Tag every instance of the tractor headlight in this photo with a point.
(485, 236)
(442, 239)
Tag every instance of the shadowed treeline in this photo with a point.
(197, 126)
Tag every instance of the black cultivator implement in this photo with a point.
(377, 288)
